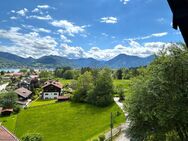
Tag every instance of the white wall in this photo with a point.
(3, 87)
(50, 95)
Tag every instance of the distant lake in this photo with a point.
(17, 70)
(10, 70)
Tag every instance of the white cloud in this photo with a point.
(41, 30)
(22, 12)
(36, 29)
(65, 39)
(35, 10)
(124, 1)
(71, 52)
(109, 20)
(28, 44)
(68, 27)
(47, 17)
(12, 11)
(134, 48)
(13, 18)
(161, 34)
(35, 45)
(43, 6)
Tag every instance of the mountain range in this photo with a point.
(8, 60)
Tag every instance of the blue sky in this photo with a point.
(100, 29)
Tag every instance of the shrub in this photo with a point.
(32, 137)
(101, 137)
(16, 109)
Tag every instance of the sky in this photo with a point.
(100, 29)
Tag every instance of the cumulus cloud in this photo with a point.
(124, 1)
(109, 20)
(30, 27)
(28, 44)
(68, 27)
(35, 10)
(134, 48)
(71, 52)
(65, 39)
(35, 45)
(22, 12)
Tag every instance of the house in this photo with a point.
(6, 112)
(23, 93)
(24, 96)
(51, 90)
(6, 135)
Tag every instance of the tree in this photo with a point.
(45, 75)
(102, 94)
(120, 91)
(119, 74)
(84, 87)
(158, 104)
(95, 88)
(68, 74)
(8, 100)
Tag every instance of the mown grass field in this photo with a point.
(64, 81)
(9, 122)
(123, 83)
(41, 102)
(66, 121)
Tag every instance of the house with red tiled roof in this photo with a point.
(52, 90)
(6, 135)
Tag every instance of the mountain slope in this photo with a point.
(122, 60)
(127, 61)
(16, 58)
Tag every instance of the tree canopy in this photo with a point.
(158, 105)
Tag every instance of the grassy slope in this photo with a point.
(66, 121)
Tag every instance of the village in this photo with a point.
(34, 89)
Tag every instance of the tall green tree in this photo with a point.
(84, 87)
(158, 105)
(102, 94)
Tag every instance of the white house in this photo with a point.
(51, 90)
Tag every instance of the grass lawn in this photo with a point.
(124, 83)
(9, 122)
(64, 81)
(66, 121)
(41, 102)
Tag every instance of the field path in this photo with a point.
(122, 135)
